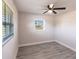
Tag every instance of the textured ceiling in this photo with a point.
(38, 6)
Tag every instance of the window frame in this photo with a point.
(7, 23)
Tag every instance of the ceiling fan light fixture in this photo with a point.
(51, 5)
(50, 11)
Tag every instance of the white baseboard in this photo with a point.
(29, 44)
(16, 53)
(35, 43)
(66, 45)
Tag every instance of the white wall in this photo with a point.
(61, 28)
(65, 29)
(9, 50)
(27, 32)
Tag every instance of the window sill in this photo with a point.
(6, 41)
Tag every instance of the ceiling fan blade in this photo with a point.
(45, 12)
(54, 12)
(61, 8)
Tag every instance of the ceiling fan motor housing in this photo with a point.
(49, 7)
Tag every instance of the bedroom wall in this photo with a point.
(9, 50)
(65, 29)
(27, 32)
(60, 28)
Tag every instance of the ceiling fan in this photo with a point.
(51, 9)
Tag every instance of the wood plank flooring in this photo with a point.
(51, 50)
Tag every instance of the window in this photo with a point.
(7, 25)
(39, 24)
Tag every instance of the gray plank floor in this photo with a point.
(51, 50)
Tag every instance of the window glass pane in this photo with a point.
(11, 23)
(3, 19)
(39, 24)
(7, 30)
(7, 25)
(7, 15)
(3, 30)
